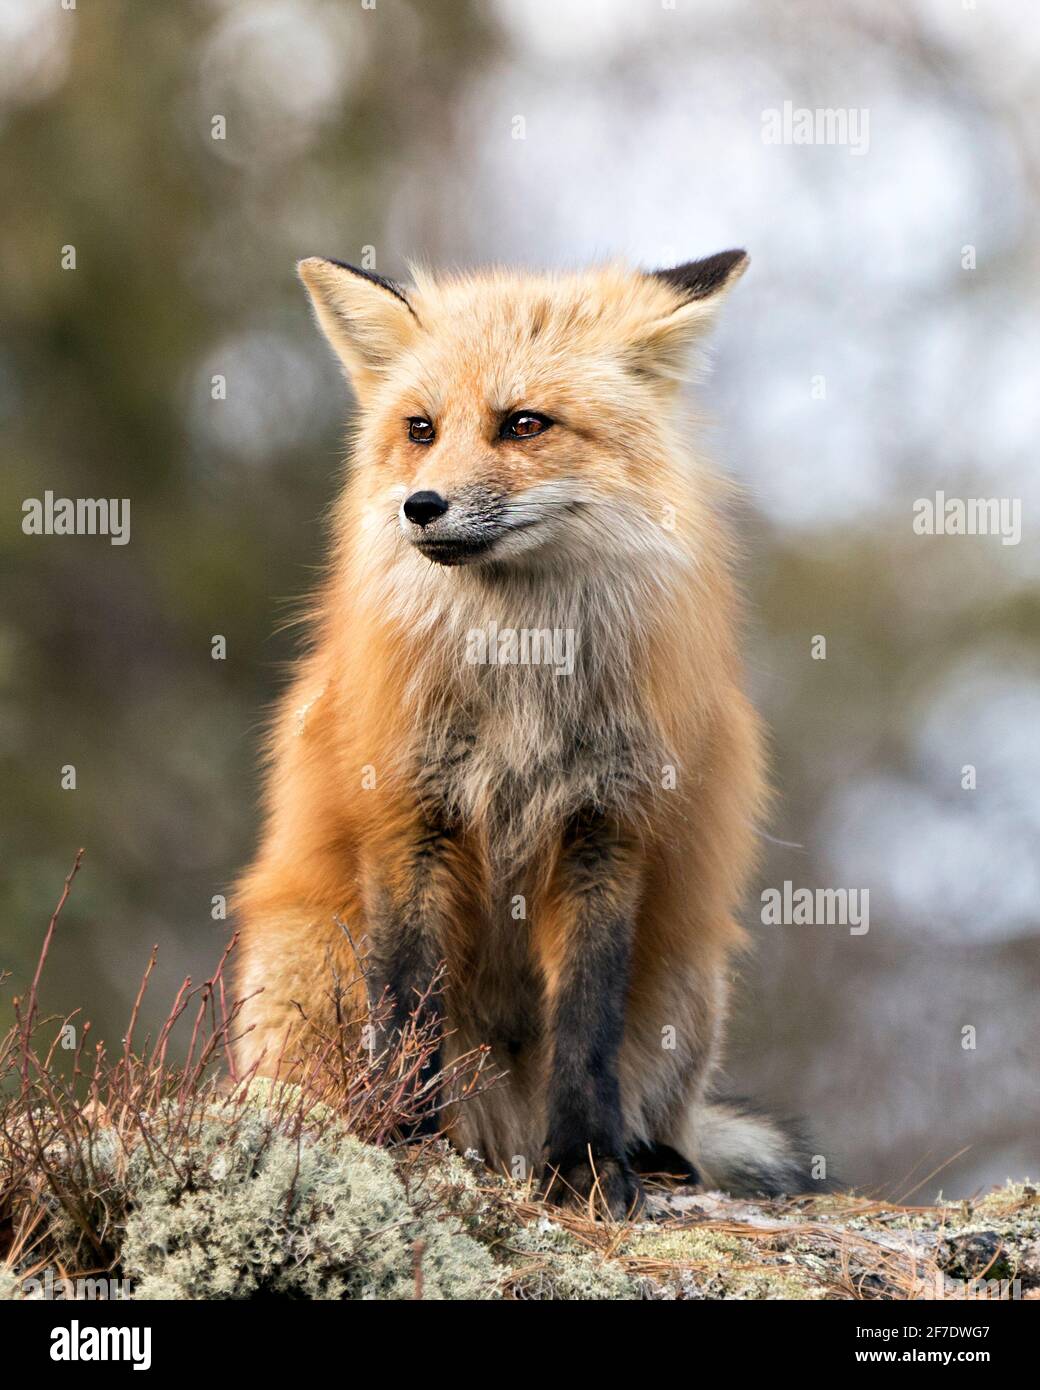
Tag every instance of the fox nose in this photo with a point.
(424, 507)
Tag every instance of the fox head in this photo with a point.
(514, 420)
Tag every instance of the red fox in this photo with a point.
(518, 744)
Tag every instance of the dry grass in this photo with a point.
(835, 1247)
(58, 1107)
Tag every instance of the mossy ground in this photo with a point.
(181, 1180)
(246, 1210)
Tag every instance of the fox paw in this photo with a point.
(607, 1186)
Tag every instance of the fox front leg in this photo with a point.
(411, 887)
(583, 936)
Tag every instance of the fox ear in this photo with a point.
(367, 318)
(697, 289)
(704, 279)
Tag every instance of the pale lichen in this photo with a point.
(697, 1262)
(254, 1214)
(549, 1263)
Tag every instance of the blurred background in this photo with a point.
(884, 346)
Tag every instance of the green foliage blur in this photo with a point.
(184, 270)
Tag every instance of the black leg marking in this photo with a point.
(597, 875)
(406, 954)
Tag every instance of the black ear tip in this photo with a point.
(384, 283)
(736, 259)
(701, 279)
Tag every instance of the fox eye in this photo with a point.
(524, 424)
(420, 430)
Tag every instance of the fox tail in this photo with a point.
(739, 1149)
